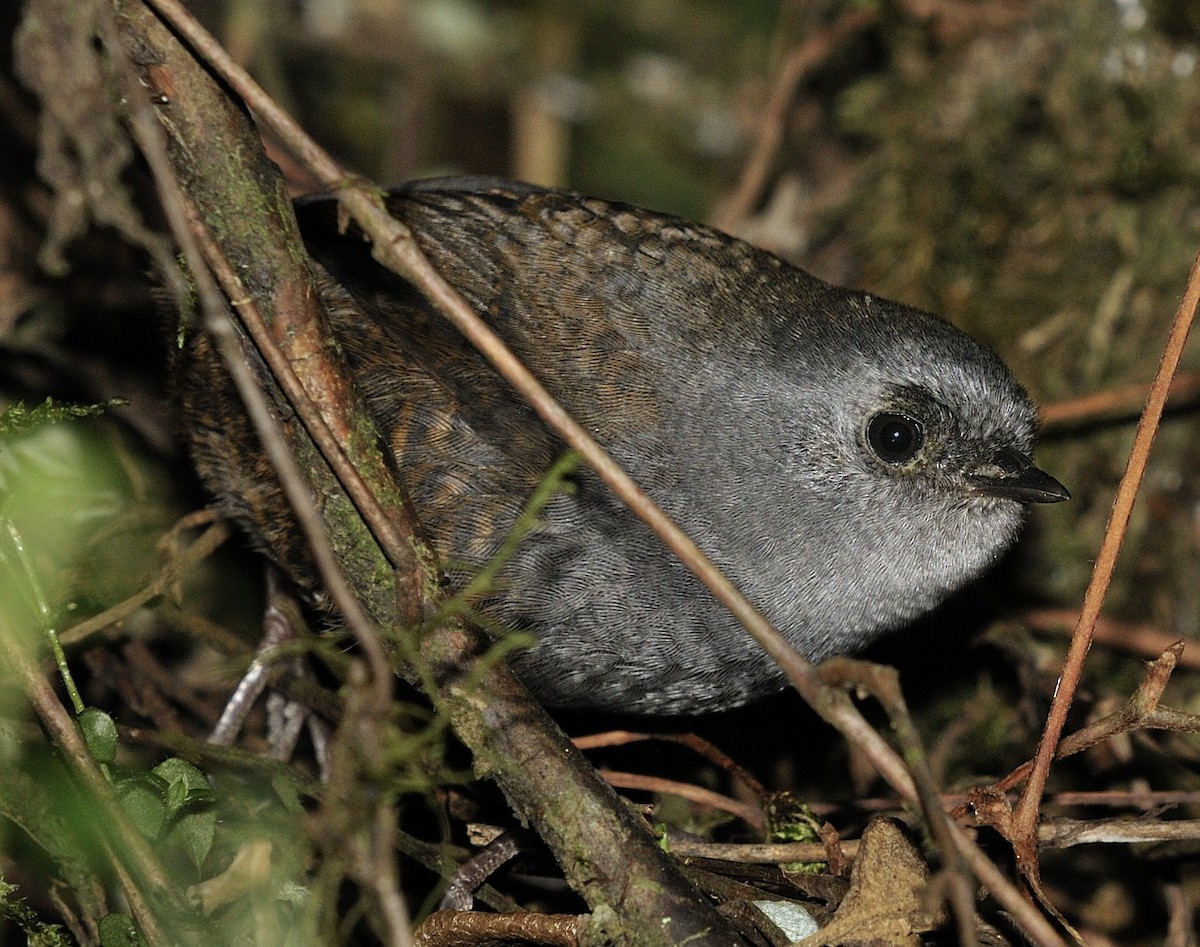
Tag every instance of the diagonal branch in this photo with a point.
(608, 856)
(1025, 817)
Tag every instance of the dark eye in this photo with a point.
(894, 438)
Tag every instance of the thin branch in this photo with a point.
(1026, 815)
(175, 568)
(1146, 641)
(1055, 833)
(799, 63)
(693, 742)
(883, 683)
(760, 853)
(285, 465)
(1141, 712)
(1119, 402)
(597, 840)
(749, 814)
(1063, 833)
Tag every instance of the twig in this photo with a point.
(285, 465)
(470, 927)
(1063, 833)
(774, 118)
(1141, 712)
(379, 874)
(883, 683)
(693, 742)
(749, 814)
(1025, 817)
(760, 853)
(1146, 641)
(1056, 833)
(1181, 928)
(1119, 402)
(1132, 798)
(172, 571)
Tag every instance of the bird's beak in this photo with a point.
(1012, 475)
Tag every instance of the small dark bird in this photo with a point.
(846, 460)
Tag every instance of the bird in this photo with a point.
(846, 460)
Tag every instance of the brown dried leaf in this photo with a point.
(886, 903)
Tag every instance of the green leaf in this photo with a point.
(100, 734)
(175, 770)
(194, 832)
(285, 789)
(175, 797)
(143, 797)
(186, 785)
(188, 788)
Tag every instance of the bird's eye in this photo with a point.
(894, 438)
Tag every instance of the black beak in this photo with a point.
(1012, 475)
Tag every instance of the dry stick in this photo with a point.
(281, 458)
(770, 128)
(1181, 926)
(1118, 798)
(378, 872)
(1128, 798)
(394, 247)
(172, 571)
(598, 840)
(884, 685)
(1115, 402)
(199, 249)
(760, 853)
(1025, 817)
(1144, 640)
(1141, 712)
(1059, 833)
(460, 927)
(139, 905)
(748, 813)
(695, 743)
(1063, 833)
(350, 849)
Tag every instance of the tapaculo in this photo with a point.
(846, 460)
